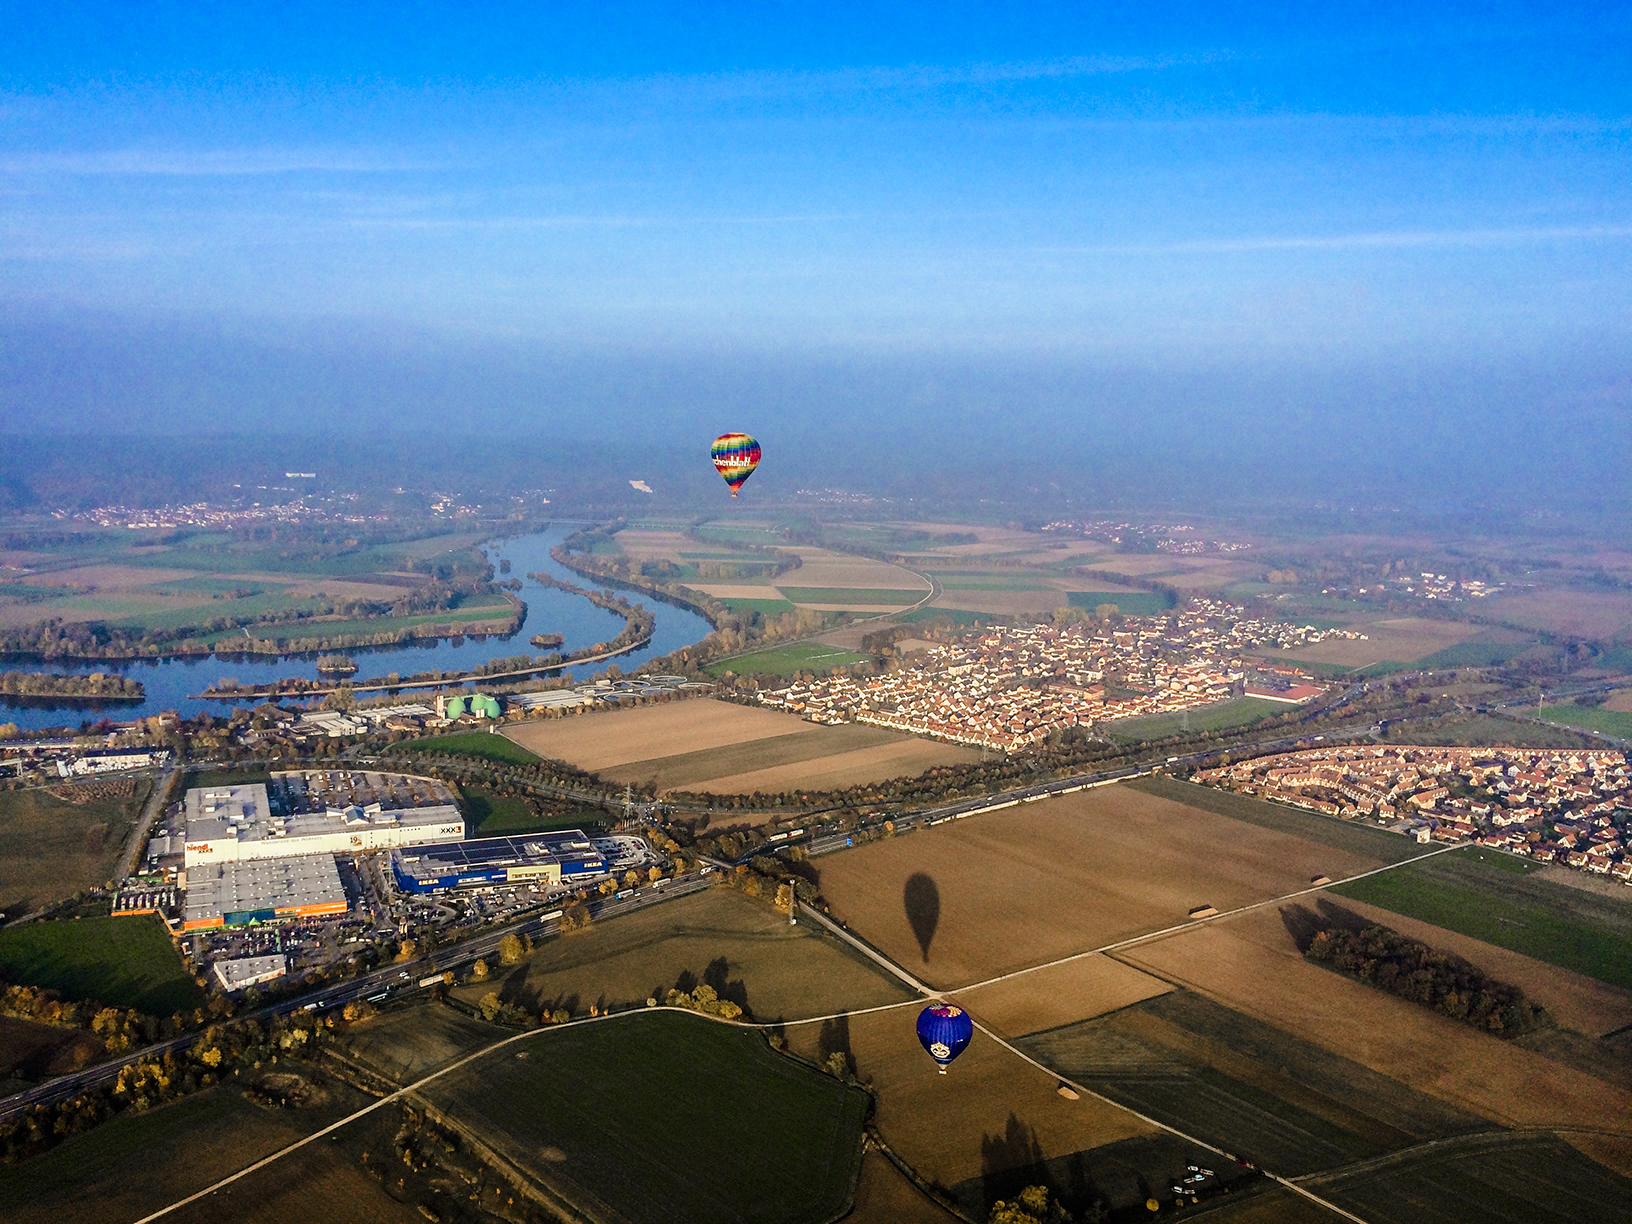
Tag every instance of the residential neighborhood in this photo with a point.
(1570, 806)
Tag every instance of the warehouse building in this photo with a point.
(247, 971)
(539, 858)
(262, 890)
(232, 824)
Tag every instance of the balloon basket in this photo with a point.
(943, 1070)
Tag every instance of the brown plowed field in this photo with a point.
(902, 756)
(1062, 994)
(885, 1196)
(1584, 613)
(1003, 603)
(963, 1124)
(1251, 964)
(1577, 1002)
(1041, 881)
(617, 737)
(821, 568)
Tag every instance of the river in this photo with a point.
(169, 681)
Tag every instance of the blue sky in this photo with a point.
(1190, 215)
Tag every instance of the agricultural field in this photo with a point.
(51, 848)
(853, 597)
(1527, 1178)
(770, 604)
(1240, 712)
(135, 583)
(663, 1116)
(1589, 614)
(975, 898)
(787, 660)
(30, 1051)
(1605, 721)
(124, 962)
(1487, 731)
(739, 945)
(730, 749)
(140, 1162)
(1498, 899)
(994, 1116)
(1402, 639)
(407, 1044)
(1252, 964)
(1129, 603)
(605, 738)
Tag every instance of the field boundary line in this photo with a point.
(1060, 1079)
(1194, 923)
(408, 1089)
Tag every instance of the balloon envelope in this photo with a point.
(736, 455)
(944, 1031)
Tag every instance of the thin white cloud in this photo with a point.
(1379, 240)
(204, 163)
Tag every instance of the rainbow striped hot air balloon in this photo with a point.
(944, 1031)
(736, 455)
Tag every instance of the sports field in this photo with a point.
(124, 962)
(665, 1116)
(1496, 898)
(974, 898)
(51, 848)
(787, 660)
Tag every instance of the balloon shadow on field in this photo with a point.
(922, 900)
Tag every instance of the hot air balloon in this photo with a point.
(736, 455)
(944, 1031)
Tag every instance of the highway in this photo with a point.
(378, 985)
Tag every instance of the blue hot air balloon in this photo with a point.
(944, 1031)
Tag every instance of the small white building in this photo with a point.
(249, 971)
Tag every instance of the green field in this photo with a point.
(490, 815)
(51, 849)
(1130, 603)
(786, 660)
(765, 607)
(297, 630)
(474, 744)
(867, 597)
(125, 962)
(956, 616)
(1486, 731)
(664, 1116)
(1474, 654)
(1501, 901)
(991, 582)
(1590, 718)
(1236, 713)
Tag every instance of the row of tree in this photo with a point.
(104, 685)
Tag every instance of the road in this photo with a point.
(399, 976)
(396, 978)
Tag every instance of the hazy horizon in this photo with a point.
(1221, 247)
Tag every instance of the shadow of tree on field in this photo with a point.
(1303, 923)
(718, 975)
(834, 1038)
(922, 900)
